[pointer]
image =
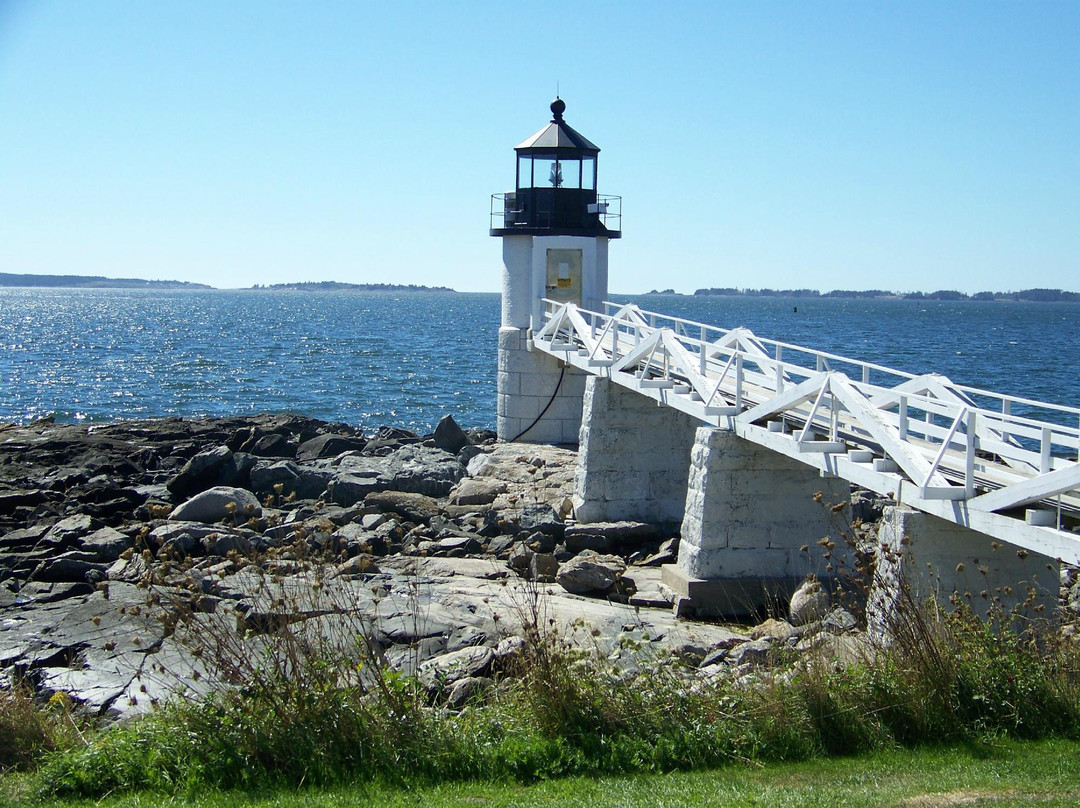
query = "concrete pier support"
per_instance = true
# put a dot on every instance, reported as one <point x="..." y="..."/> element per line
<point x="921" y="557"/>
<point x="634" y="457"/>
<point x="527" y="384"/>
<point x="749" y="511"/>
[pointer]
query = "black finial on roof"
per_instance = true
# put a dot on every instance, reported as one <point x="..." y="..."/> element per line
<point x="558" y="107"/>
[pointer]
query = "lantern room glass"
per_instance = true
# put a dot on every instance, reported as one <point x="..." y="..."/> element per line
<point x="549" y="172"/>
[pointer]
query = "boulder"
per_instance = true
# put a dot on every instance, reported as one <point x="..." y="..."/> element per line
<point x="74" y="566"/>
<point x="755" y="652"/>
<point x="68" y="531"/>
<point x="273" y="445"/>
<point x="443" y="671"/>
<point x="205" y="470"/>
<point x="778" y="630"/>
<point x="543" y="567"/>
<point x="541" y="516"/>
<point x="218" y="504"/>
<point x="106" y="544"/>
<point x="809" y="603"/>
<point x="423" y="470"/>
<point x="467" y="690"/>
<point x="353" y="486"/>
<point x="265" y="475"/>
<point x="474" y="491"/>
<point x="449" y="436"/>
<point x="329" y="446"/>
<point x="590" y="572"/>
<point x="413" y="507"/>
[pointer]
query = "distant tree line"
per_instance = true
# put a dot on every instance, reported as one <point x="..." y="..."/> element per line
<point x="336" y="286"/>
<point x="91" y="282"/>
<point x="1036" y="295"/>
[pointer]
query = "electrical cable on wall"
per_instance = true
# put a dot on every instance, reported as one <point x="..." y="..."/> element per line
<point x="551" y="400"/>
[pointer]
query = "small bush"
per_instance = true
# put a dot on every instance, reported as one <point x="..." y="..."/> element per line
<point x="28" y="731"/>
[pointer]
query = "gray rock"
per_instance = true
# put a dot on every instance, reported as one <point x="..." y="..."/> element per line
<point x="443" y="671"/>
<point x="866" y="506"/>
<point x="106" y="544"/>
<point x="73" y="566"/>
<point x="809" y="603"/>
<point x="68" y="531"/>
<point x="541" y="516"/>
<point x="265" y="475"/>
<point x="423" y="470"/>
<point x="221" y="544"/>
<point x="172" y="530"/>
<point x="543" y="567"/>
<point x="617" y="532"/>
<point x="353" y="487"/>
<point x="219" y="504"/>
<point x="329" y="446"/>
<point x="755" y="652"/>
<point x="205" y="470"/>
<point x="464" y="691"/>
<point x="476" y="491"/>
<point x="578" y="540"/>
<point x="590" y="572"/>
<point x="839" y="621"/>
<point x="273" y="445"/>
<point x="449" y="436"/>
<point x="459" y="546"/>
<point x="24" y="537"/>
<point x="413" y="507"/>
<point x="520" y="558"/>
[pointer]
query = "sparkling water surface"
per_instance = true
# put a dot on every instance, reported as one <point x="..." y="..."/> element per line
<point x="407" y="359"/>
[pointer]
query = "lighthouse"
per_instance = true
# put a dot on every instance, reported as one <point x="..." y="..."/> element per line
<point x="555" y="230"/>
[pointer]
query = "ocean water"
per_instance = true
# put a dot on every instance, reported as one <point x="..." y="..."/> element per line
<point x="370" y="359"/>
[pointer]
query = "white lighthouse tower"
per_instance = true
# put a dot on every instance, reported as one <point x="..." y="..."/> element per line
<point x="555" y="230"/>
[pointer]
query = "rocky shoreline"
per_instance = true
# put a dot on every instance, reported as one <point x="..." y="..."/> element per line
<point x="140" y="560"/>
<point x="434" y="542"/>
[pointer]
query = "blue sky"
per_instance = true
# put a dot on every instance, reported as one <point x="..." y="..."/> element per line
<point x="905" y="146"/>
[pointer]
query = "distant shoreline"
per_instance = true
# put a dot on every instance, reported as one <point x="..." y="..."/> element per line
<point x="10" y="280"/>
<point x="1024" y="295"/>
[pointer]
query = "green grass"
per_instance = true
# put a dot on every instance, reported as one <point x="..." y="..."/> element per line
<point x="1045" y="773"/>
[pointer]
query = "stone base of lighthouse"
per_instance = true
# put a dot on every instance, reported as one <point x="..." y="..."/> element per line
<point x="539" y="397"/>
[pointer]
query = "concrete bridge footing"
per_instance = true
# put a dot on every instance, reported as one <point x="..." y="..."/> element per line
<point x="749" y="514"/>
<point x="632" y="458"/>
<point x="921" y="557"/>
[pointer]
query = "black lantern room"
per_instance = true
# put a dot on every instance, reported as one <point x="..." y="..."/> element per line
<point x="556" y="187"/>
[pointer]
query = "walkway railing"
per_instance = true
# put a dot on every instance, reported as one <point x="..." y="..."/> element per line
<point x="1005" y="465"/>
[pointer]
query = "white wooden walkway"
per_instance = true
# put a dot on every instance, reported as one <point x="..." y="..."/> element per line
<point x="956" y="452"/>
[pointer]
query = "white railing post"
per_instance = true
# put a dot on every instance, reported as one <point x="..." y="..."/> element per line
<point x="903" y="425"/>
<point x="1047" y="447"/>
<point x="779" y="368"/>
<point x="702" y="353"/>
<point x="834" y="416"/>
<point x="1006" y="410"/>
<point x="738" y="381"/>
<point x="969" y="460"/>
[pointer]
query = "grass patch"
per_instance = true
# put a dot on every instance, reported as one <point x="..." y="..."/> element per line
<point x="1045" y="773"/>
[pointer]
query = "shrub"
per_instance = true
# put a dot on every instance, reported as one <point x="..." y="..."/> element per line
<point x="27" y="730"/>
